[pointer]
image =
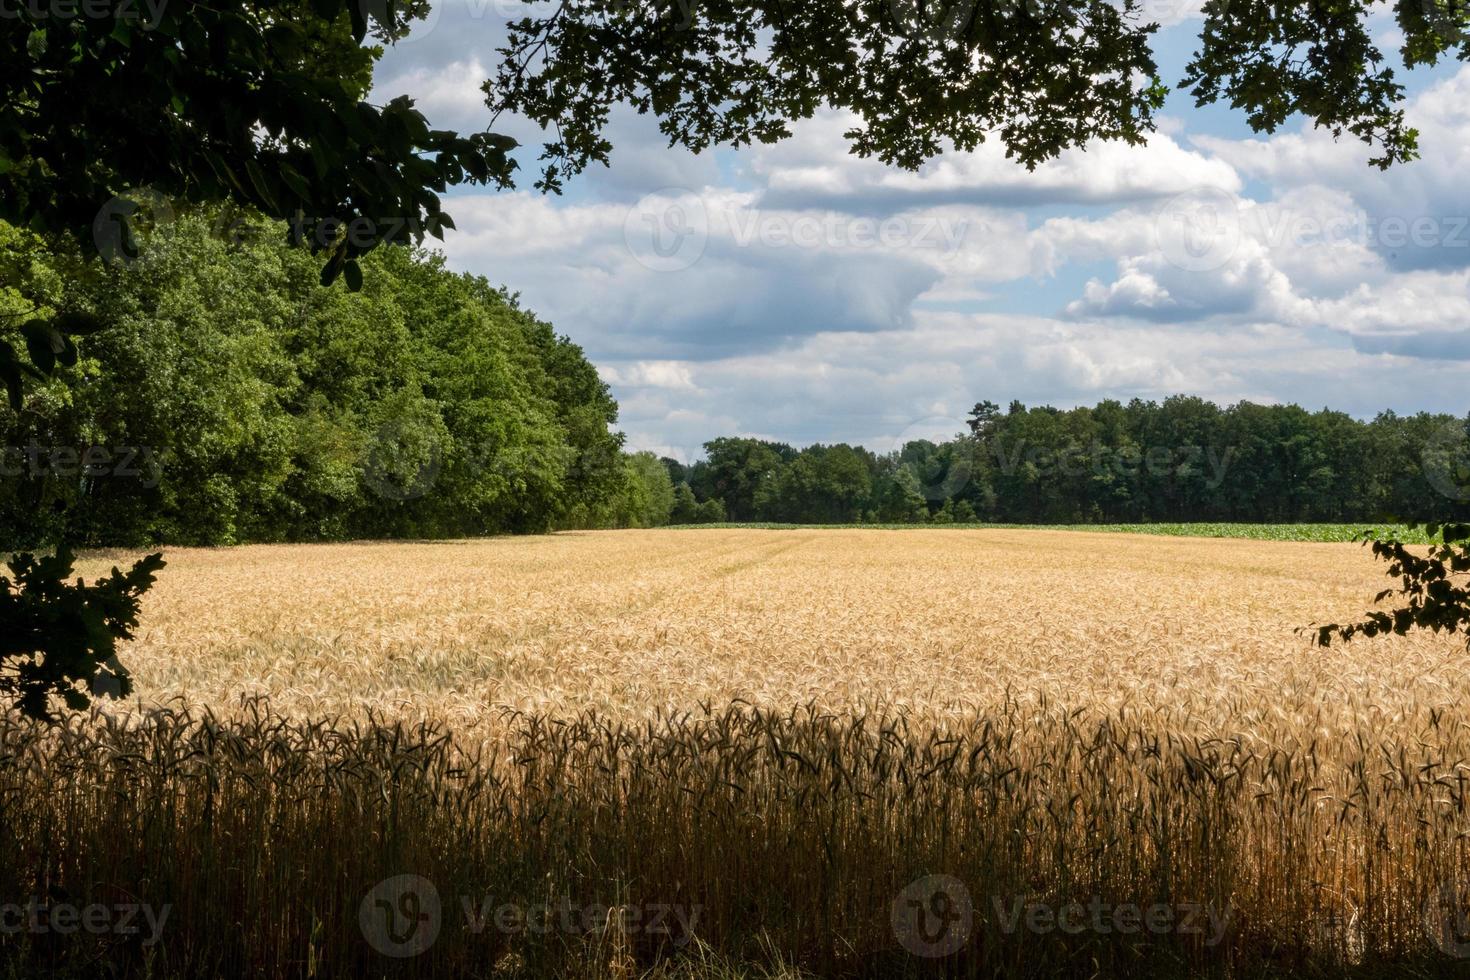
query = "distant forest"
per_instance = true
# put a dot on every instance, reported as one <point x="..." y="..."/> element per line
<point x="1185" y="459"/>
<point x="234" y="399"/>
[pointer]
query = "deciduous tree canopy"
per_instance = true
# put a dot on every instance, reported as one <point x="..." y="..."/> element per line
<point x="1183" y="459"/>
<point x="236" y="400"/>
<point x="263" y="104"/>
<point x="923" y="76"/>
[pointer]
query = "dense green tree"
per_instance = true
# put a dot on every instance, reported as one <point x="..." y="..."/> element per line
<point x="109" y="118"/>
<point x="652" y="494"/>
<point x="711" y="512"/>
<point x="821" y="484"/>
<point x="235" y="400"/>
<point x="734" y="470"/>
<point x="1181" y="459"/>
<point x="258" y="104"/>
<point x="898" y="498"/>
<point x="686" y="508"/>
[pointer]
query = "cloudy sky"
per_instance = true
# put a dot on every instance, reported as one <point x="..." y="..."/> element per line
<point x="798" y="293"/>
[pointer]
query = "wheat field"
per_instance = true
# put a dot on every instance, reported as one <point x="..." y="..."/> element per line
<point x="941" y="622"/>
<point x="831" y="753"/>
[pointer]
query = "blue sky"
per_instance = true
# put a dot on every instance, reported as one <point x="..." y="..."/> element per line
<point x="795" y="292"/>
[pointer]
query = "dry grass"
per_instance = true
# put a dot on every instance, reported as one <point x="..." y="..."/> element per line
<point x="1046" y="717"/>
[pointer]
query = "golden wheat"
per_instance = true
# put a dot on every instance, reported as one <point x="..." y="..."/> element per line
<point x="781" y="729"/>
<point x="939" y="622"/>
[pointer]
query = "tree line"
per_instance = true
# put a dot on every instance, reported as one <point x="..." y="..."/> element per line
<point x="1182" y="459"/>
<point x="233" y="399"/>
